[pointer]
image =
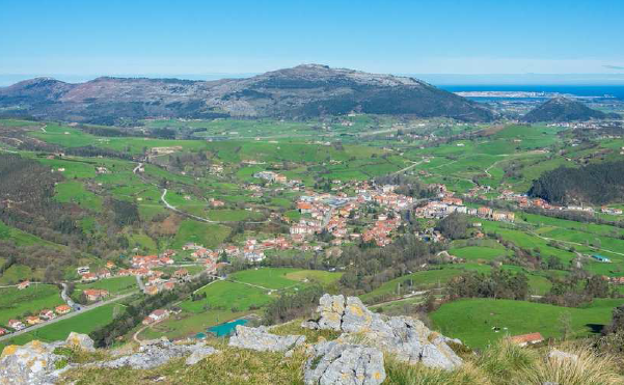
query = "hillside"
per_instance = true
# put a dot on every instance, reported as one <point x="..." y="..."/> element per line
<point x="299" y="92"/>
<point x="562" y="109"/>
<point x="593" y="184"/>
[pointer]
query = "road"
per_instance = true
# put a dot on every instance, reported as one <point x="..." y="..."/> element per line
<point x="140" y="283"/>
<point x="66" y="297"/>
<point x="206" y="220"/>
<point x="137" y="168"/>
<point x="407" y="168"/>
<point x="67" y="316"/>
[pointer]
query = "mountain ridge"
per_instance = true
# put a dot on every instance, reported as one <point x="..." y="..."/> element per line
<point x="562" y="109"/>
<point x="304" y="91"/>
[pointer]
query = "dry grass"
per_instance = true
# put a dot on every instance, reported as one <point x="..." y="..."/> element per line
<point x="588" y="369"/>
<point x="500" y="364"/>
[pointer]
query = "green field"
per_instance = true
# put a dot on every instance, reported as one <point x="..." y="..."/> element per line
<point x="15" y="303"/>
<point x="209" y="235"/>
<point x="472" y="320"/>
<point x="83" y="323"/>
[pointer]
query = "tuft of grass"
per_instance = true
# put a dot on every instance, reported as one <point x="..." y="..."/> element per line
<point x="312" y="336"/>
<point x="589" y="369"/>
<point x="401" y="373"/>
<point x="504" y="359"/>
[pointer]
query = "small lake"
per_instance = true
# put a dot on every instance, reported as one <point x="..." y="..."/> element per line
<point x="225" y="329"/>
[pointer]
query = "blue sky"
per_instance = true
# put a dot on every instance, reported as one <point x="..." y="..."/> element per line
<point x="92" y="37"/>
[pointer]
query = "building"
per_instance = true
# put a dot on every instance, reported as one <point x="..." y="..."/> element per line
<point x="151" y="290"/>
<point x="156" y="316"/>
<point x="16" y="324"/>
<point x="601" y="258"/>
<point x="47" y="314"/>
<point x="62" y="309"/>
<point x="527" y="339"/>
<point x="23" y="285"/>
<point x="3" y="331"/>
<point x="33" y="320"/>
<point x="89" y="277"/>
<point x="95" y="294"/>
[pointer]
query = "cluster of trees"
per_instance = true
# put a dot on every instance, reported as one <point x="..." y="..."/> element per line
<point x="576" y="289"/>
<point x="598" y="184"/>
<point x="454" y="226"/>
<point x="136" y="312"/>
<point x="369" y="267"/>
<point x="406" y="185"/>
<point x="500" y="284"/>
<point x="26" y="201"/>
<point x="291" y="306"/>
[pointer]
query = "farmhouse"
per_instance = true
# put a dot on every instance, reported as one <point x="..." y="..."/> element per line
<point x="23" y="285"/>
<point x="47" y="314"/>
<point x="62" y="309"/>
<point x="33" y="320"/>
<point x="156" y="316"/>
<point x="89" y="277"/>
<point x="16" y="324"/>
<point x="3" y="331"/>
<point x="95" y="294"/>
<point x="527" y="339"/>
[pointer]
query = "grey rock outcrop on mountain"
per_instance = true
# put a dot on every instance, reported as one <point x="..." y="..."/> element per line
<point x="407" y="338"/>
<point x="159" y="353"/>
<point x="333" y="363"/>
<point x="261" y="340"/>
<point x="561" y="109"/>
<point x="28" y="364"/>
<point x="304" y="91"/>
<point x="80" y="341"/>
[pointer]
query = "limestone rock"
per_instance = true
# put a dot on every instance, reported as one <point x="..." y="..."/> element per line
<point x="199" y="354"/>
<point x="558" y="355"/>
<point x="261" y="340"/>
<point x="28" y="364"/>
<point x="407" y="338"/>
<point x="332" y="309"/>
<point x="153" y="355"/>
<point x="80" y="341"/>
<point x="345" y="364"/>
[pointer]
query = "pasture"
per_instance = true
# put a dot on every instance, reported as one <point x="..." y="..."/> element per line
<point x="473" y="320"/>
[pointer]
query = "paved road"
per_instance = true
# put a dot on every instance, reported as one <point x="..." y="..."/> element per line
<point x="206" y="220"/>
<point x="66" y="297"/>
<point x="67" y="316"/>
<point x="140" y="283"/>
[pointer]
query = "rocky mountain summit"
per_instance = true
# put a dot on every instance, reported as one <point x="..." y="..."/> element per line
<point x="304" y="91"/>
<point x="561" y="109"/>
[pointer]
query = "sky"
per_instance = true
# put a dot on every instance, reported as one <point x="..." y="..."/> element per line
<point x="82" y="39"/>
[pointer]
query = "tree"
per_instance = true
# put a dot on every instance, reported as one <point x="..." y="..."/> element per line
<point x="454" y="226"/>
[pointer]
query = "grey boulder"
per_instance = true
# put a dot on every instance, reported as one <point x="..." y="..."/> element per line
<point x="261" y="340"/>
<point x="336" y="363"/>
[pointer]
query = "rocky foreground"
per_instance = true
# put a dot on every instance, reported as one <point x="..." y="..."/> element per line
<point x="355" y="357"/>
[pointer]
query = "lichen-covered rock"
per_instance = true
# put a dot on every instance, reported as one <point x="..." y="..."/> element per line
<point x="358" y="319"/>
<point x="261" y="340"/>
<point x="199" y="354"/>
<point x="332" y="309"/>
<point x="345" y="364"/>
<point x="28" y="364"/>
<point x="407" y="338"/>
<point x="153" y="355"/>
<point x="80" y="341"/>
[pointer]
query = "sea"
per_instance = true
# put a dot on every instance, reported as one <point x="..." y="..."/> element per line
<point x="616" y="91"/>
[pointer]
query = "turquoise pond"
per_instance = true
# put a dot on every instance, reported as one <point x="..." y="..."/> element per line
<point x="227" y="328"/>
